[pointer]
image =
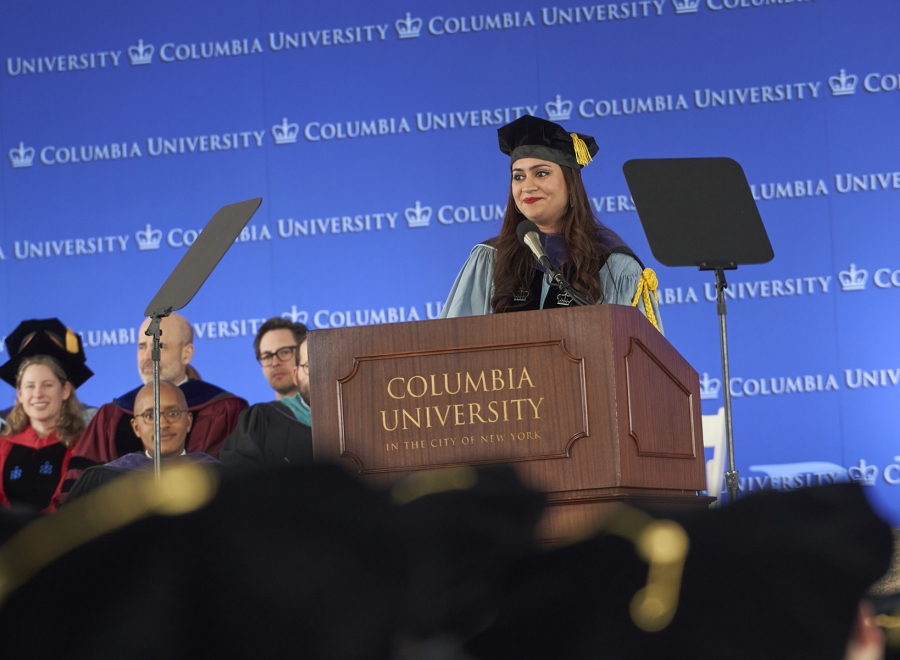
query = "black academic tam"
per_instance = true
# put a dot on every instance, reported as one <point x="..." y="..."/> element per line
<point x="307" y="562"/>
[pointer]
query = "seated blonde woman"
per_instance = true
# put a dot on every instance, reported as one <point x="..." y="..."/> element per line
<point x="46" y="366"/>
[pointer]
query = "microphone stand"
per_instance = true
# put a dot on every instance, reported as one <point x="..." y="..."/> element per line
<point x="562" y="282"/>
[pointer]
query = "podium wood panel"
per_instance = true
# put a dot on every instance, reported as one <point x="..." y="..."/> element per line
<point x="591" y="405"/>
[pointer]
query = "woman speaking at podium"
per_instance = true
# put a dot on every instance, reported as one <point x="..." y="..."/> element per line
<point x="502" y="275"/>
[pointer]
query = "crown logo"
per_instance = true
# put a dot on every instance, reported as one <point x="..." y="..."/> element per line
<point x="853" y="279"/>
<point x="709" y="387"/>
<point x="863" y="474"/>
<point x="408" y="28"/>
<point x="418" y="215"/>
<point x="295" y="315"/>
<point x="21" y="156"/>
<point x="521" y="295"/>
<point x="842" y="84"/>
<point x="141" y="53"/>
<point x="558" y="110"/>
<point x="285" y="133"/>
<point x="686" y="6"/>
<point x="148" y="239"/>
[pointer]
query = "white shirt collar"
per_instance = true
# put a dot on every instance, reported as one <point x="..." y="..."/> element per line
<point x="147" y="453"/>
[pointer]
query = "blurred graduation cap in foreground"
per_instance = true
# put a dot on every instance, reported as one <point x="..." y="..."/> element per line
<point x="307" y="562"/>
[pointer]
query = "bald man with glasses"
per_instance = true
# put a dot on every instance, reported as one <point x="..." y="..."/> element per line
<point x="215" y="411"/>
<point x="175" y="421"/>
<point x="277" y="432"/>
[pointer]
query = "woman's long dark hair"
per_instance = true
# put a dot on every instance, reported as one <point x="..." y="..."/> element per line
<point x="514" y="267"/>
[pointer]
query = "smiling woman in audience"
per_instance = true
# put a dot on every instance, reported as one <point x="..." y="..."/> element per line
<point x="48" y="364"/>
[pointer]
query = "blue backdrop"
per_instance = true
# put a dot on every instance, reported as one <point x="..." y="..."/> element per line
<point x="369" y="131"/>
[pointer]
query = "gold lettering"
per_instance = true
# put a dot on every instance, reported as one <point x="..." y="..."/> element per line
<point x="497" y="375"/>
<point x="427" y="417"/>
<point x="475" y="411"/>
<point x="505" y="416"/>
<point x="446" y="414"/>
<point x="492" y="406"/>
<point x="424" y="387"/>
<point x="475" y="383"/>
<point x="394" y="396"/>
<point x="384" y="421"/>
<point x="518" y="403"/>
<point x="537" y="436"/>
<point x="395" y="446"/>
<point x="417" y="421"/>
<point x="460" y="415"/>
<point x="511" y="379"/>
<point x="536" y="416"/>
<point x="433" y="393"/>
<point x="435" y="440"/>
<point x="458" y="383"/>
<point x="525" y="377"/>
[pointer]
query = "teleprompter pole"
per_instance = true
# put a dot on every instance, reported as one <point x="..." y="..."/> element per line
<point x="183" y="283"/>
<point x="731" y="475"/>
<point x="156" y="332"/>
<point x="700" y="213"/>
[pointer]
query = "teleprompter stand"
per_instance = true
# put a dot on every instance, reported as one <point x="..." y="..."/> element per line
<point x="700" y="212"/>
<point x="187" y="278"/>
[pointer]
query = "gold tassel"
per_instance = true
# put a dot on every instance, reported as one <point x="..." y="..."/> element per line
<point x="71" y="341"/>
<point x="648" y="283"/>
<point x="582" y="155"/>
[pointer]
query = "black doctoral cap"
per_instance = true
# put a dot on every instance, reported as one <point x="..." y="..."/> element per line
<point x="775" y="575"/>
<point x="533" y="137"/>
<point x="46" y="337"/>
<point x="302" y="561"/>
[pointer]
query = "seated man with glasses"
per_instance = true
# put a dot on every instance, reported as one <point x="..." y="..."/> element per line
<point x="174" y="424"/>
<point x="276" y="346"/>
<point x="277" y="432"/>
<point x="109" y="435"/>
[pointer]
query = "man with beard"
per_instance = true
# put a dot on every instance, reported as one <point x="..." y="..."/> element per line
<point x="277" y="432"/>
<point x="215" y="412"/>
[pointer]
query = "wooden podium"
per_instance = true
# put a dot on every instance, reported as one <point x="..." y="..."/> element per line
<point x="591" y="405"/>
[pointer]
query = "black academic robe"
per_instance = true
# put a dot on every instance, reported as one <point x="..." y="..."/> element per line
<point x="267" y="434"/>
<point x="100" y="475"/>
<point x="109" y="435"/>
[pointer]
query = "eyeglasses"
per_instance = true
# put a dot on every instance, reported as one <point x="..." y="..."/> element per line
<point x="171" y="415"/>
<point x="283" y="354"/>
<point x="305" y="367"/>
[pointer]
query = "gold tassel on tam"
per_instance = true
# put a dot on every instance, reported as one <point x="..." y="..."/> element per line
<point x="648" y="284"/>
<point x="582" y="155"/>
<point x="71" y="341"/>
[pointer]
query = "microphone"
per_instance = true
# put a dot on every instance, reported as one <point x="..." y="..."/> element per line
<point x="530" y="237"/>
